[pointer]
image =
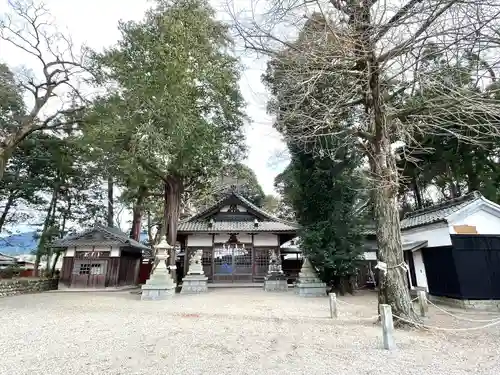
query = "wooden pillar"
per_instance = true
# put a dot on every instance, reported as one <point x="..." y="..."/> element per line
<point x="253" y="259"/>
<point x="213" y="256"/>
<point x="137" y="269"/>
<point x="187" y="255"/>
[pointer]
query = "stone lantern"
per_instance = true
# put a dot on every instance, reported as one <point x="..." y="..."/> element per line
<point x="160" y="284"/>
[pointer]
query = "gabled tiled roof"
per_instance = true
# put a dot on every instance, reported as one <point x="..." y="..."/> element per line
<point x="235" y="226"/>
<point x="114" y="233"/>
<point x="439" y="212"/>
<point x="270" y="223"/>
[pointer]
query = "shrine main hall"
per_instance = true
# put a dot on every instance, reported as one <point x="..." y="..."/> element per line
<point x="237" y="239"/>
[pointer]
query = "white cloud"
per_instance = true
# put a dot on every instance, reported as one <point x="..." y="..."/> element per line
<point x="94" y="23"/>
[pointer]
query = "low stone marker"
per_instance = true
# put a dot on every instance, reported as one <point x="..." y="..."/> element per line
<point x="422" y="301"/>
<point x="334" y="314"/>
<point x="387" y="327"/>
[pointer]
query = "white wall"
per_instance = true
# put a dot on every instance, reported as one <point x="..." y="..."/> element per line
<point x="115" y="252"/>
<point x="265" y="239"/>
<point x="484" y="221"/>
<point x="436" y="235"/>
<point x="202" y="240"/>
<point x="205" y="240"/>
<point x="370" y="255"/>
<point x="418" y="261"/>
<point x="70" y="252"/>
<point x="223" y="238"/>
<point x="240" y="209"/>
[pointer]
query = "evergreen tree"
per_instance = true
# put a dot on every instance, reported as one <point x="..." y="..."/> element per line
<point x="174" y="117"/>
<point x="325" y="194"/>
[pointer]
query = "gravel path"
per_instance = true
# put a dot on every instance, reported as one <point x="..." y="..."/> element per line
<point x="229" y="331"/>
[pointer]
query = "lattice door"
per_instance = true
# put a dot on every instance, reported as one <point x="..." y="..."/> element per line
<point x="261" y="263"/>
<point x="232" y="265"/>
<point x="89" y="273"/>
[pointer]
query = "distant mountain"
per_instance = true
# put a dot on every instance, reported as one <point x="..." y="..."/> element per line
<point x="25" y="243"/>
<point x="16" y="244"/>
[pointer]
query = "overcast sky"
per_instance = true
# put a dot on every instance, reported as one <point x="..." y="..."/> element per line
<point x="94" y="23"/>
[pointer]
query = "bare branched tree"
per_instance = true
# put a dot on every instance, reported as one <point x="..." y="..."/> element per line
<point x="52" y="88"/>
<point x="373" y="74"/>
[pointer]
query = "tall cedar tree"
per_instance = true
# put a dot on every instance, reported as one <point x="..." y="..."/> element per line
<point x="176" y="114"/>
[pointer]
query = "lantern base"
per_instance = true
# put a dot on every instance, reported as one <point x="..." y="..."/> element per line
<point x="155" y="293"/>
<point x="160" y="285"/>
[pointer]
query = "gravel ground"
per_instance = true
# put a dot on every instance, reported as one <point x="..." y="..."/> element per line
<point x="237" y="332"/>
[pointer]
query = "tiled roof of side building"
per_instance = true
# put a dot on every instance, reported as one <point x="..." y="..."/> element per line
<point x="115" y="233"/>
<point x="438" y="212"/>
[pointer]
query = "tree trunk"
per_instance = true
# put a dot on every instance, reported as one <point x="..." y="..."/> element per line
<point x="51" y="225"/>
<point x="65" y="216"/>
<point x="135" y="232"/>
<point x="393" y="289"/>
<point x="416" y="192"/>
<point x="8" y="205"/>
<point x="10" y="201"/>
<point x="110" y="202"/>
<point x="10" y="143"/>
<point x="46" y="224"/>
<point x="150" y="229"/>
<point x="4" y="158"/>
<point x="53" y="269"/>
<point x="173" y="192"/>
<point x="159" y="233"/>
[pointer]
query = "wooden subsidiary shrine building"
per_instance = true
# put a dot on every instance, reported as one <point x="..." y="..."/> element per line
<point x="100" y="257"/>
<point x="236" y="238"/>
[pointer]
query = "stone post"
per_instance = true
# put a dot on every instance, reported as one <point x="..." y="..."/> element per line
<point x="333" y="306"/>
<point x="387" y="327"/>
<point x="422" y="301"/>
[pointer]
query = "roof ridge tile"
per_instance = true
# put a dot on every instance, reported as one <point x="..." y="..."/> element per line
<point x="445" y="204"/>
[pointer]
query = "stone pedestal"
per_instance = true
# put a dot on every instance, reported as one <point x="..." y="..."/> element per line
<point x="194" y="284"/>
<point x="160" y="284"/>
<point x="308" y="283"/>
<point x="195" y="281"/>
<point x="275" y="283"/>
